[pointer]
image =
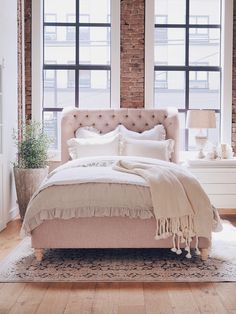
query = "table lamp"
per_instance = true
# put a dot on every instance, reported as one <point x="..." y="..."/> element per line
<point x="201" y="119"/>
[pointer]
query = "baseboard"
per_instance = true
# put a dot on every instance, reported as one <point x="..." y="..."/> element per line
<point x="13" y="213"/>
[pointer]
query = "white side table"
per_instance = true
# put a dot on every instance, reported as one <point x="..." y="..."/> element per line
<point x="218" y="178"/>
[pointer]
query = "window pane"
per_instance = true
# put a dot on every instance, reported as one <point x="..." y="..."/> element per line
<point x="94" y="89"/>
<point x="204" y="90"/>
<point x="60" y="46"/>
<point x="169" y="46"/>
<point x="94" y="45"/>
<point x="98" y="11"/>
<point x="52" y="127"/>
<point x="169" y="89"/>
<point x="205" y="11"/>
<point x="172" y="9"/>
<point x="59" y="88"/>
<point x="60" y="8"/>
<point x="204" y="46"/>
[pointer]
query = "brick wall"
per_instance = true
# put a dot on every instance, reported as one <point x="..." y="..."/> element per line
<point x="234" y="85"/>
<point x="132" y="53"/>
<point x="28" y="80"/>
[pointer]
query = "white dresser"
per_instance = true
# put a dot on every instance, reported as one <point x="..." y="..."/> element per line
<point x="218" y="178"/>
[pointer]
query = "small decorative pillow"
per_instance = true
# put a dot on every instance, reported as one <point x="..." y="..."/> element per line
<point x="148" y="148"/>
<point x="158" y="133"/>
<point x="91" y="132"/>
<point x="96" y="146"/>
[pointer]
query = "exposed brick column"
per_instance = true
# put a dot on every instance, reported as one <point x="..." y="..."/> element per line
<point x="19" y="61"/>
<point x="28" y="78"/>
<point x="132" y="53"/>
<point x="234" y="85"/>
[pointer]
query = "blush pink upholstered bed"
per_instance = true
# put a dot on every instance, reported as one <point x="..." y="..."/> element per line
<point x="108" y="232"/>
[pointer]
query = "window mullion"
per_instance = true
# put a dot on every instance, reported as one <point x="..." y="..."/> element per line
<point x="77" y="56"/>
<point x="187" y="70"/>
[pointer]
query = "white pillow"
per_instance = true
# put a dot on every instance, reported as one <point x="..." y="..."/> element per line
<point x="96" y="146"/>
<point x="91" y="132"/>
<point x="148" y="148"/>
<point x="158" y="133"/>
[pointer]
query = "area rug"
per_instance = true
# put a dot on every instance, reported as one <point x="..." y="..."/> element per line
<point x="131" y="265"/>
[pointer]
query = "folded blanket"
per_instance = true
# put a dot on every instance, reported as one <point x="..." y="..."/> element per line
<point x="176" y="197"/>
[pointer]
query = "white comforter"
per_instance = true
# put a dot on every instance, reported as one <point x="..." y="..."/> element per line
<point x="91" y="187"/>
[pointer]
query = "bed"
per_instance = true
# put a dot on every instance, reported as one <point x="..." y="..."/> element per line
<point x="115" y="231"/>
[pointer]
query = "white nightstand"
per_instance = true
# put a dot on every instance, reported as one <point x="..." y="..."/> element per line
<point x="218" y="178"/>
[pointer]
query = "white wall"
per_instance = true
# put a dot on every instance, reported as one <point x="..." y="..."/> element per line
<point x="8" y="56"/>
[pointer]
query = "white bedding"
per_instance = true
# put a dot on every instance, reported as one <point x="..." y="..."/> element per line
<point x="91" y="187"/>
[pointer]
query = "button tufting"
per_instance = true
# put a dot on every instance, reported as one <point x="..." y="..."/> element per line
<point x="153" y="116"/>
<point x="80" y="124"/>
<point x="165" y="116"/>
<point x="146" y="124"/>
<point x="140" y="116"/>
<point x="113" y="116"/>
<point x="86" y="116"/>
<point x="133" y="124"/>
<point x="74" y="115"/>
<point x="107" y="124"/>
<point x="126" y="116"/>
<point x="93" y="124"/>
<point x="100" y="116"/>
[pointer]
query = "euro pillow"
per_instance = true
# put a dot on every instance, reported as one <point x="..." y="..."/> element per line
<point x="91" y="132"/>
<point x="105" y="146"/>
<point x="153" y="149"/>
<point x="158" y="133"/>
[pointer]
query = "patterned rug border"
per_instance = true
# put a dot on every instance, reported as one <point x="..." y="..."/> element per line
<point x="117" y="265"/>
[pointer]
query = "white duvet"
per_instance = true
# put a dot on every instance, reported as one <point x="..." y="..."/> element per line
<point x="90" y="187"/>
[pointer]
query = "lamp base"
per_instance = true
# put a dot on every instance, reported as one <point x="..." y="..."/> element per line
<point x="201" y="143"/>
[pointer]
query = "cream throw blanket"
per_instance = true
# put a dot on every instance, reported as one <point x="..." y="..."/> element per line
<point x="176" y="197"/>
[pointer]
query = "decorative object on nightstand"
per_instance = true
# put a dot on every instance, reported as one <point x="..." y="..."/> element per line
<point x="30" y="167"/>
<point x="201" y="119"/>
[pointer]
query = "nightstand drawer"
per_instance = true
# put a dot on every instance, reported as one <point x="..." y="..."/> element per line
<point x="223" y="201"/>
<point x="217" y="177"/>
<point x="219" y="188"/>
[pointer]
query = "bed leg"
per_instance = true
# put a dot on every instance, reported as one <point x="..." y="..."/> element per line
<point x="38" y="254"/>
<point x="204" y="254"/>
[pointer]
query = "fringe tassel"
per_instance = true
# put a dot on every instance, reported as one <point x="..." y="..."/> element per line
<point x="182" y="231"/>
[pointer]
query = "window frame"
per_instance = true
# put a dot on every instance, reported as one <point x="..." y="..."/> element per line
<point x="37" y="58"/>
<point x="226" y="64"/>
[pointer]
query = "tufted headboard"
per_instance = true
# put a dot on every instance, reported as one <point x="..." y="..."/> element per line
<point x="107" y="120"/>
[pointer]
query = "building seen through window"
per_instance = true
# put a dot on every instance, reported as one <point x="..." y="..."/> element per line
<point x="77" y="61"/>
<point x="187" y="65"/>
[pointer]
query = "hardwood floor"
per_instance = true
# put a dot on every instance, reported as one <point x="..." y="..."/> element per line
<point x="111" y="298"/>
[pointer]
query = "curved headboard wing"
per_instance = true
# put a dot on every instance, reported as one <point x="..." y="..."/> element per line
<point x="106" y="120"/>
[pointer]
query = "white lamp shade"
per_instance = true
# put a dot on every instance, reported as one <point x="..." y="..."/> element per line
<point x="201" y="119"/>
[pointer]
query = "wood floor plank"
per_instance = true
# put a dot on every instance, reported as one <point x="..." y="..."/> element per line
<point x="30" y="299"/>
<point x="106" y="298"/>
<point x="182" y="300"/>
<point x="227" y="294"/>
<point x="130" y="309"/>
<point x="131" y="294"/>
<point x="81" y="298"/>
<point x="157" y="299"/>
<point x="9" y="294"/>
<point x="207" y="298"/>
<point x="55" y="299"/>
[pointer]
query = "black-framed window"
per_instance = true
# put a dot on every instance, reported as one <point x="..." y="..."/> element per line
<point x="81" y="50"/>
<point x="187" y="61"/>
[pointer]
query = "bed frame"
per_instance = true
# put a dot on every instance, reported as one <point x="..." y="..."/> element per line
<point x="109" y="232"/>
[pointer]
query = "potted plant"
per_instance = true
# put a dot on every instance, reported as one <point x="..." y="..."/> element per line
<point x="30" y="167"/>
